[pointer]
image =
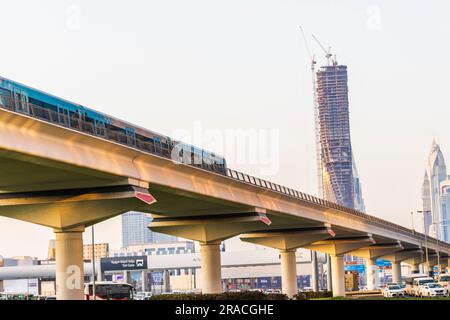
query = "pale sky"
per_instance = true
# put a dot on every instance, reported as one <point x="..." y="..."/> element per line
<point x="241" y="65"/>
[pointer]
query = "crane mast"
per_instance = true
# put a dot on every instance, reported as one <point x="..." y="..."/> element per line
<point x="316" y="117"/>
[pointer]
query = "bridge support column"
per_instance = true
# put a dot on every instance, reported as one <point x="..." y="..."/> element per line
<point x="397" y="272"/>
<point x="372" y="274"/>
<point x="288" y="272"/>
<point x="211" y="267"/>
<point x="337" y="275"/>
<point x="69" y="265"/>
<point x="426" y="267"/>
<point x="329" y="285"/>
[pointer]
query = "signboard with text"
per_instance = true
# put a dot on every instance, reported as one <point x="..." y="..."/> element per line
<point x="124" y="263"/>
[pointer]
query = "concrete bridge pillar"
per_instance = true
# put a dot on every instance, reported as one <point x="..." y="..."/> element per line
<point x="372" y="274"/>
<point x="288" y="272"/>
<point x="397" y="272"/>
<point x="337" y="275"/>
<point x="426" y="267"/>
<point x="211" y="267"/>
<point x="329" y="285"/>
<point x="69" y="265"/>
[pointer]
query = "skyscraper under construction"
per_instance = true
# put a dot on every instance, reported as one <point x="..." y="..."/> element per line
<point x="339" y="183"/>
<point x="338" y="178"/>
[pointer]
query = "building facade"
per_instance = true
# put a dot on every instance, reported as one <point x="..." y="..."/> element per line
<point x="135" y="230"/>
<point x="445" y="210"/>
<point x="340" y="180"/>
<point x="101" y="250"/>
<point x="179" y="247"/>
<point x="437" y="174"/>
<point x="426" y="205"/>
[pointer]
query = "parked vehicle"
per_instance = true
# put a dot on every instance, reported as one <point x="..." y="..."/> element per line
<point x="109" y="290"/>
<point x="443" y="279"/>
<point x="393" y="290"/>
<point x="431" y="290"/>
<point x="414" y="281"/>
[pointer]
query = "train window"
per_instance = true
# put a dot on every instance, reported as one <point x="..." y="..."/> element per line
<point x="198" y="155"/>
<point x="158" y="147"/>
<point x="131" y="136"/>
<point x="100" y="128"/>
<point x="187" y="154"/>
<point x="20" y="100"/>
<point x="63" y="116"/>
<point x="5" y="98"/>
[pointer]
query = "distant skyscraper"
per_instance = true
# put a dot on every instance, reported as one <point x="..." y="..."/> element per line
<point x="445" y="210"/>
<point x="426" y="204"/>
<point x="340" y="180"/>
<point x="359" y="201"/>
<point x="135" y="230"/>
<point x="437" y="174"/>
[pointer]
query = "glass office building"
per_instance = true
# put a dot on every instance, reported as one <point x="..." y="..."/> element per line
<point x="135" y="230"/>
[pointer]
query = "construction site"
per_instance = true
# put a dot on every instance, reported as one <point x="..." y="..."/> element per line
<point x="338" y="179"/>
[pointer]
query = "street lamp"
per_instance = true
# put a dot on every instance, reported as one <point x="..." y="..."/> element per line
<point x="438" y="226"/>
<point x="425" y="234"/>
<point x="93" y="264"/>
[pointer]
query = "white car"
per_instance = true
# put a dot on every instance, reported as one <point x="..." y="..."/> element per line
<point x="393" y="290"/>
<point x="142" y="296"/>
<point x="431" y="290"/>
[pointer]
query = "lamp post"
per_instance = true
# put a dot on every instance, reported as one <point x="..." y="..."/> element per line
<point x="93" y="265"/>
<point x="438" y="226"/>
<point x="425" y="234"/>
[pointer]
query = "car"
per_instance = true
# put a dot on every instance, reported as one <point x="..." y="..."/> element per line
<point x="390" y="284"/>
<point x="393" y="290"/>
<point x="431" y="290"/>
<point x="269" y="291"/>
<point x="50" y="298"/>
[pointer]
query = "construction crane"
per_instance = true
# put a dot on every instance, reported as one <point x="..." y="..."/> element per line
<point x="328" y="54"/>
<point x="316" y="116"/>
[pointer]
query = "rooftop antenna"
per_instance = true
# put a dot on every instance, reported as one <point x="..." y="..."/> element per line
<point x="312" y="58"/>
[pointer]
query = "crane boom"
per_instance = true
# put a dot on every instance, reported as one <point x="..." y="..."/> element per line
<point x="316" y="118"/>
<point x="328" y="54"/>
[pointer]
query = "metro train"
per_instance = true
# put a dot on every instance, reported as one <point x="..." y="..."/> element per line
<point x="23" y="99"/>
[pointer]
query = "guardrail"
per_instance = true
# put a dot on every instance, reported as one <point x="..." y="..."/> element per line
<point x="326" y="204"/>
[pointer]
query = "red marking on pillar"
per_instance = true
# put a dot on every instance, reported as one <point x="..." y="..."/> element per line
<point x="146" y="197"/>
<point x="264" y="219"/>
<point x="331" y="232"/>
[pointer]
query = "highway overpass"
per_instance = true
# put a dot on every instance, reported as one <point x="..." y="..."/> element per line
<point x="67" y="179"/>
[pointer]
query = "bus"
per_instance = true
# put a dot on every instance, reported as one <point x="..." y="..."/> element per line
<point x="109" y="290"/>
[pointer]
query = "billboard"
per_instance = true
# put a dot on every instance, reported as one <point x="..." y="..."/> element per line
<point x="124" y="263"/>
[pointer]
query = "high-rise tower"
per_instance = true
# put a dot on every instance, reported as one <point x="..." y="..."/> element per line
<point x="437" y="173"/>
<point x="335" y="142"/>
<point x="426" y="204"/>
